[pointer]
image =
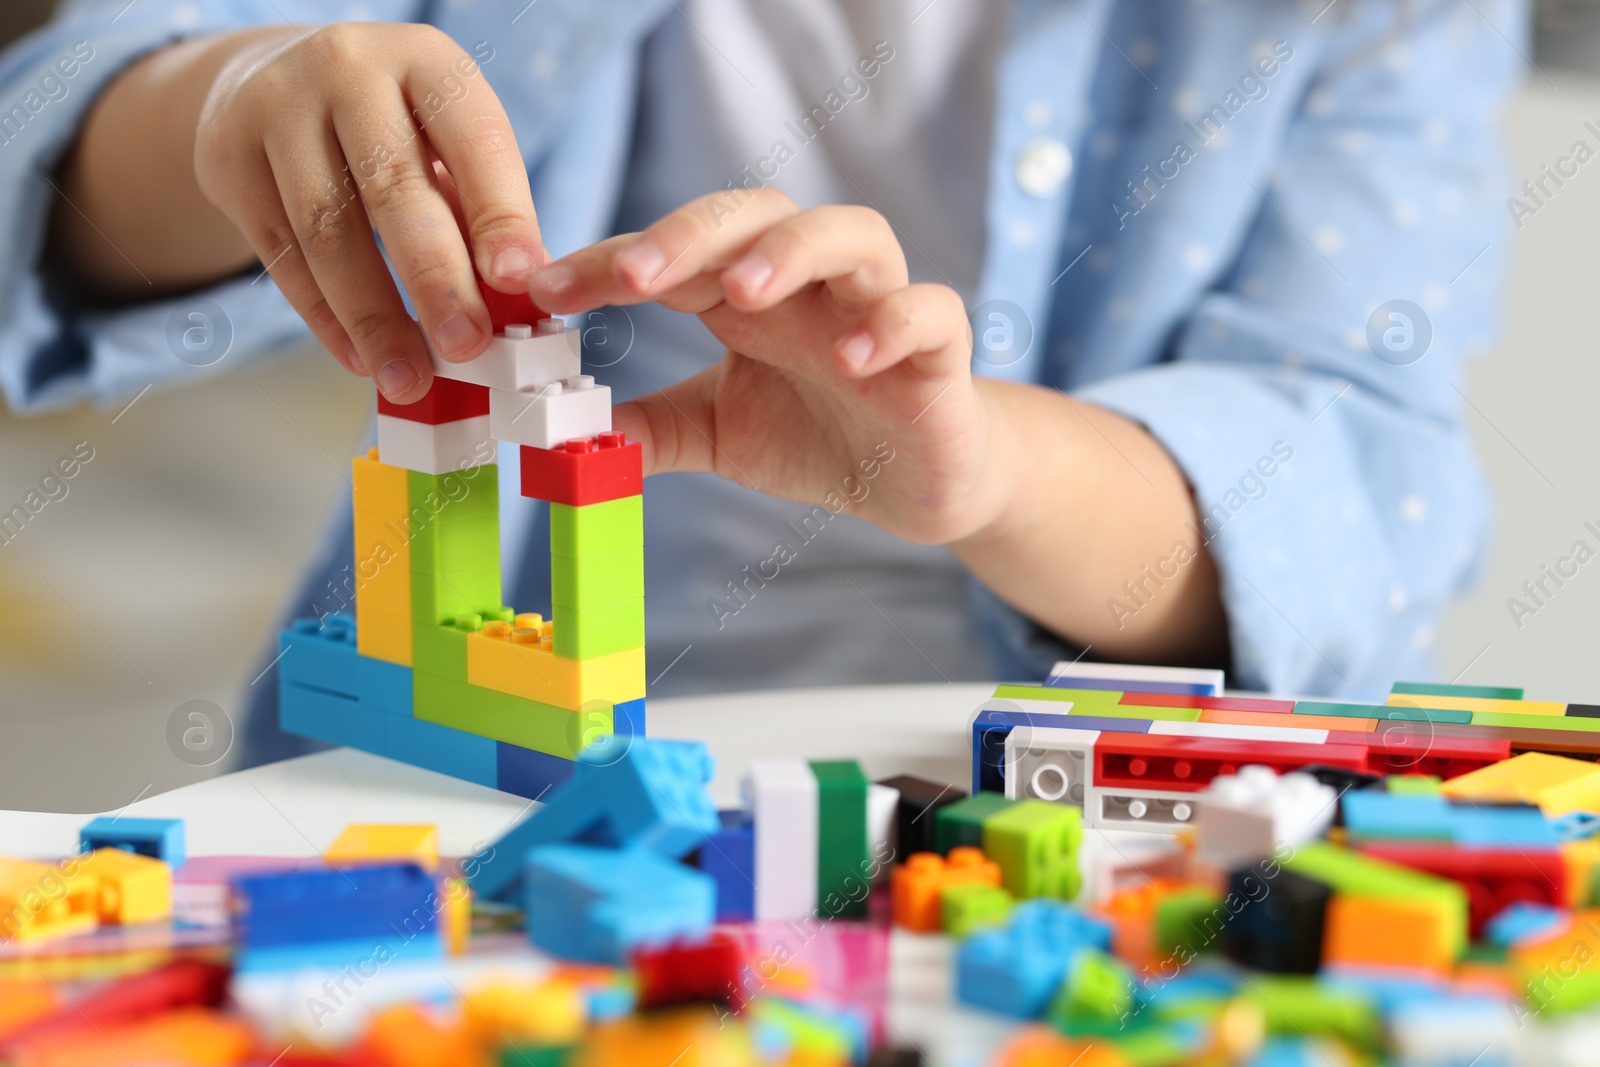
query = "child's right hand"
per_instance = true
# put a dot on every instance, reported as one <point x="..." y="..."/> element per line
<point x="309" y="140"/>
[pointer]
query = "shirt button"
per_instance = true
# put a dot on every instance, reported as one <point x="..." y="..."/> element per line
<point x="1043" y="167"/>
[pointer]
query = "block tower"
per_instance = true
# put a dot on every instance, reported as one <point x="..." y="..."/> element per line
<point x="433" y="670"/>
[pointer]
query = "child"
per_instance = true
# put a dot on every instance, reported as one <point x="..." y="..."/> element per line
<point x="987" y="333"/>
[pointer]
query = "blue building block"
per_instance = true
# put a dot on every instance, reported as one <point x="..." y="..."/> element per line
<point x="1288" y="1052"/>
<point x="528" y="772"/>
<point x="628" y="717"/>
<point x="594" y="903"/>
<point x="1016" y="969"/>
<point x="649" y="794"/>
<point x="1576" y="826"/>
<point x="360" y="955"/>
<point x="1131" y="685"/>
<point x="440" y="748"/>
<point x="393" y="902"/>
<point x="160" y="839"/>
<point x="1371" y="814"/>
<point x="321" y="654"/>
<point x="729" y="858"/>
<point x="1502" y="826"/>
<point x="328" y="717"/>
<point x="1521" y="922"/>
<point x="991" y="728"/>
<point x="386" y="686"/>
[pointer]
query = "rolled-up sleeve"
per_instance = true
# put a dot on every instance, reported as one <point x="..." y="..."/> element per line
<point x="53" y="351"/>
<point x="1388" y="188"/>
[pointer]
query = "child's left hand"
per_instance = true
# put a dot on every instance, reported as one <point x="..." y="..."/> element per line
<point x="832" y="359"/>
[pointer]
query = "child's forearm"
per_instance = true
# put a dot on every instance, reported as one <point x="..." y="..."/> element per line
<point x="132" y="222"/>
<point x="1095" y="500"/>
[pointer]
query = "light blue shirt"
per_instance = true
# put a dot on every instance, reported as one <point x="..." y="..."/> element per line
<point x="1196" y="214"/>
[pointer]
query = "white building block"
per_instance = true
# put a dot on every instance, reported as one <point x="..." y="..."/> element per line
<point x="1211" y="681"/>
<point x="449" y="446"/>
<point x="1245" y="816"/>
<point x="519" y="358"/>
<point x="547" y="415"/>
<point x="782" y="796"/>
<point x="1154" y="810"/>
<point x="1049" y="763"/>
<point x="882" y="801"/>
<point x="1286" y="734"/>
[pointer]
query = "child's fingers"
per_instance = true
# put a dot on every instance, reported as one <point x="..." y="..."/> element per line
<point x="926" y="324"/>
<point x="675" y="426"/>
<point x="473" y="137"/>
<point x="703" y="235"/>
<point x="396" y="182"/>
<point x="335" y="238"/>
<point x="852" y="249"/>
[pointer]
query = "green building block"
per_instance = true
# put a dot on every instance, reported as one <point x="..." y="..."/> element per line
<point x="961" y="823"/>
<point x="591" y="632"/>
<point x="1357" y="874"/>
<point x="454" y="496"/>
<point x="597" y="529"/>
<point x="439" y="650"/>
<point x="811" y="1036"/>
<point x="841" y="838"/>
<point x="446" y="545"/>
<point x="1473" y="692"/>
<point x="439" y="598"/>
<point x="968" y="906"/>
<point x="595" y="581"/>
<point x="536" y="1056"/>
<point x="1097" y="997"/>
<point x="1302" y="1006"/>
<point x="515" y="720"/>
<point x="1571" y="724"/>
<point x="1413" y="784"/>
<point x="1036" y="843"/>
<point x="1045" y="692"/>
<point x="1181" y="922"/>
<point x="1138" y="711"/>
<point x="1384" y="712"/>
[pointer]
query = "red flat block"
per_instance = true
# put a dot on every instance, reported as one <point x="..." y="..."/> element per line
<point x="506" y="309"/>
<point x="687" y="971"/>
<point x="588" y="470"/>
<point x="1418" y="750"/>
<point x="447" y="401"/>
<point x="1166" y="761"/>
<point x="1492" y="877"/>
<point x="1182" y="700"/>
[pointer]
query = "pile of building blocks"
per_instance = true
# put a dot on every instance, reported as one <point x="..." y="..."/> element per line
<point x="433" y="669"/>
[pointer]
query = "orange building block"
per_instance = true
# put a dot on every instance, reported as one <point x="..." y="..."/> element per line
<point x="1293" y="722"/>
<point x="1132" y="915"/>
<point x="24" y="1002"/>
<point x="186" y="1037"/>
<point x="1039" y="1046"/>
<point x="1386" y="931"/>
<point x="406" y="1037"/>
<point x="687" y="1037"/>
<point x="915" y="885"/>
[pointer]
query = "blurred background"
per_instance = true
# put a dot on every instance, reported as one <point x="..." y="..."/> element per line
<point x="156" y="580"/>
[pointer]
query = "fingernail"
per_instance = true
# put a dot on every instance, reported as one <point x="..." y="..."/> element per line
<point x="556" y="278"/>
<point x="456" y="336"/>
<point x="396" y="377"/>
<point x="857" y="349"/>
<point x="642" y="261"/>
<point x="751" y="273"/>
<point x="512" y="265"/>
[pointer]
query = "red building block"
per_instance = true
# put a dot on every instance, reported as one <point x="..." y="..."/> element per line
<point x="708" y="969"/>
<point x="447" y="401"/>
<point x="1165" y="761"/>
<point x="1181" y="700"/>
<point x="508" y="308"/>
<point x="588" y="470"/>
<point x="1493" y="877"/>
<point x="1421" y="751"/>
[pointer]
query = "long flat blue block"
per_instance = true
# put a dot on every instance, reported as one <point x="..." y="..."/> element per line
<point x="321" y="655"/>
<point x="527" y="772"/>
<point x="389" y="901"/>
<point x="329" y="717"/>
<point x="386" y="686"/>
<point x="991" y="728"/>
<point x="440" y="748"/>
<point x="588" y="902"/>
<point x="729" y="858"/>
<point x="359" y="955"/>
<point x="628" y="718"/>
<point x="160" y="839"/>
<point x="1129" y="685"/>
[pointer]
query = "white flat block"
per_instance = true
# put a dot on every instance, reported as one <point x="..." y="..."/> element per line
<point x="449" y="446"/>
<point x="547" y="415"/>
<point x="1247" y="815"/>
<point x="1286" y="734"/>
<point x="783" y="801"/>
<point x="1050" y="763"/>
<point x="520" y="358"/>
<point x="882" y="802"/>
<point x="1131" y="672"/>
<point x="1154" y="810"/>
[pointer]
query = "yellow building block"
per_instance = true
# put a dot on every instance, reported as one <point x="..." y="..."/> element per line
<point x="1506" y="707"/>
<point x="455" y="917"/>
<point x="1582" y="860"/>
<point x="528" y="1013"/>
<point x="1557" y="784"/>
<point x="38" y="901"/>
<point x="383" y="560"/>
<point x="129" y="888"/>
<point x="377" y="842"/>
<point x="518" y="662"/>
